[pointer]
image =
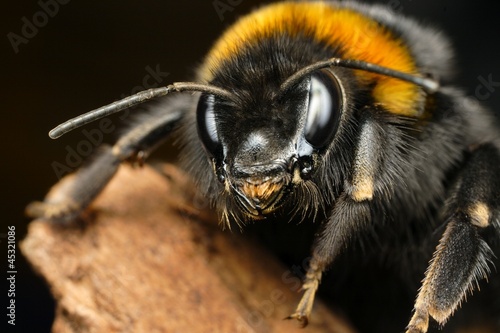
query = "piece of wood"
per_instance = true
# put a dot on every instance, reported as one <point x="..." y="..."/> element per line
<point x="150" y="257"/>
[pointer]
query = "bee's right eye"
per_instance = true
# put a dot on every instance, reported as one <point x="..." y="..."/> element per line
<point x="207" y="128"/>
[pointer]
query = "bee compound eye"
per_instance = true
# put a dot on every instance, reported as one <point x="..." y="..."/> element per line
<point x="206" y="123"/>
<point x="324" y="109"/>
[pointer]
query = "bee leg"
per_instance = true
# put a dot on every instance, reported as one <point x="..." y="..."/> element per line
<point x="310" y="286"/>
<point x="462" y="256"/>
<point x="80" y="189"/>
<point x="334" y="238"/>
<point x="77" y="190"/>
<point x="350" y="214"/>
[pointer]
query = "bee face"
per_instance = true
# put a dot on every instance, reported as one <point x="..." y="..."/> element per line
<point x="262" y="149"/>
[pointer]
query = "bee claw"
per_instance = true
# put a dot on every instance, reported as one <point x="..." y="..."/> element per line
<point x="61" y="212"/>
<point x="414" y="330"/>
<point x="302" y="318"/>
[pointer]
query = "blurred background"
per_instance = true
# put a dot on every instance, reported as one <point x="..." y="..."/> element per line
<point x="60" y="61"/>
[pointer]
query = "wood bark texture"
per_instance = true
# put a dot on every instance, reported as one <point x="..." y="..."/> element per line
<point x="149" y="256"/>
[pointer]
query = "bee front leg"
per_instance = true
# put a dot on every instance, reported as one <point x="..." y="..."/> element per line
<point x="348" y="217"/>
<point x="80" y="189"/>
<point x="462" y="256"/>
<point x="351" y="212"/>
<point x="76" y="191"/>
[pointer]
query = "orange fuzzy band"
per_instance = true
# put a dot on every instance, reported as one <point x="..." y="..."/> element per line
<point x="358" y="36"/>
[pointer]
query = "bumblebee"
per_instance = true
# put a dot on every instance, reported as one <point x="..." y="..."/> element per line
<point x="337" y="113"/>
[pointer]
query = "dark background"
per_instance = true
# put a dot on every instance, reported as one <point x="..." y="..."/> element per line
<point x="93" y="52"/>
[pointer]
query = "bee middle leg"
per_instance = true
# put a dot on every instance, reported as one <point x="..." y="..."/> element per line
<point x="462" y="256"/>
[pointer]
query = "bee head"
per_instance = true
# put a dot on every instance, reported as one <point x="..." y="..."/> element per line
<point x="264" y="146"/>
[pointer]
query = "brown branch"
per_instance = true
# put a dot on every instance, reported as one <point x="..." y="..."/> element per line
<point x="147" y="260"/>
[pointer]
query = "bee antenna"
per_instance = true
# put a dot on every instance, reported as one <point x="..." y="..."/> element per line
<point x="133" y="100"/>
<point x="428" y="84"/>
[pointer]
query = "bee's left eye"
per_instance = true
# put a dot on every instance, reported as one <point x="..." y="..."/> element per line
<point x="324" y="109"/>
